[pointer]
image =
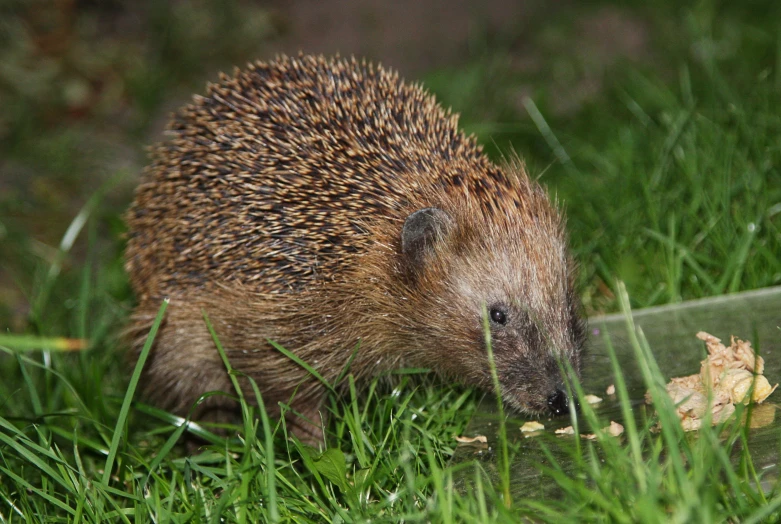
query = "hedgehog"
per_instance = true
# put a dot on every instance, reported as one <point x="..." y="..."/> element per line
<point x="326" y="206"/>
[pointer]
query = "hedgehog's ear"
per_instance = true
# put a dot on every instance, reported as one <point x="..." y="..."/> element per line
<point x="422" y="230"/>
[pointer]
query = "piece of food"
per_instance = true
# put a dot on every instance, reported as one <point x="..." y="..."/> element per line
<point x="592" y="399"/>
<point x="727" y="376"/>
<point x="611" y="389"/>
<point x="532" y="426"/>
<point x="614" y="429"/>
<point x="470" y="440"/>
<point x="569" y="430"/>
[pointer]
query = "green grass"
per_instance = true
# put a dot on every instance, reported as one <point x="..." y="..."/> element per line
<point x="670" y="177"/>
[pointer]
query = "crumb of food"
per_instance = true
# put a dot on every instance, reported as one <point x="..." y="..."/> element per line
<point x="592" y="399"/>
<point x="614" y="429"/>
<point x="728" y="374"/>
<point x="611" y="389"/>
<point x="532" y="426"/>
<point x="469" y="440"/>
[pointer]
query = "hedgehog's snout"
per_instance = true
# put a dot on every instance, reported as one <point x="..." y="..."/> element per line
<point x="559" y="402"/>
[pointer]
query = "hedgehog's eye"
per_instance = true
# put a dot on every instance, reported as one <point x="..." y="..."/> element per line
<point x="498" y="316"/>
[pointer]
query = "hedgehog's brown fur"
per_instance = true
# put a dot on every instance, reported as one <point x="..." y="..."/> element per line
<point x="277" y="208"/>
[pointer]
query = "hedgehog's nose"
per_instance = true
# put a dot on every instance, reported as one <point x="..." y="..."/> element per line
<point x="558" y="402"/>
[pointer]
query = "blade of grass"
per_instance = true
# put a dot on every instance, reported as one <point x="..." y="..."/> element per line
<point x="66" y="244"/>
<point x="635" y="443"/>
<point x="131" y="390"/>
<point x="546" y="132"/>
<point x="670" y="425"/>
<point x="271" y="471"/>
<point x="504" y="459"/>
<point x="39" y="492"/>
<point x="306" y="366"/>
<point x="763" y="512"/>
<point x="18" y="343"/>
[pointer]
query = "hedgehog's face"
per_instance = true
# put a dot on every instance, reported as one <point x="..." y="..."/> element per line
<point x="520" y="292"/>
<point x="531" y="347"/>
